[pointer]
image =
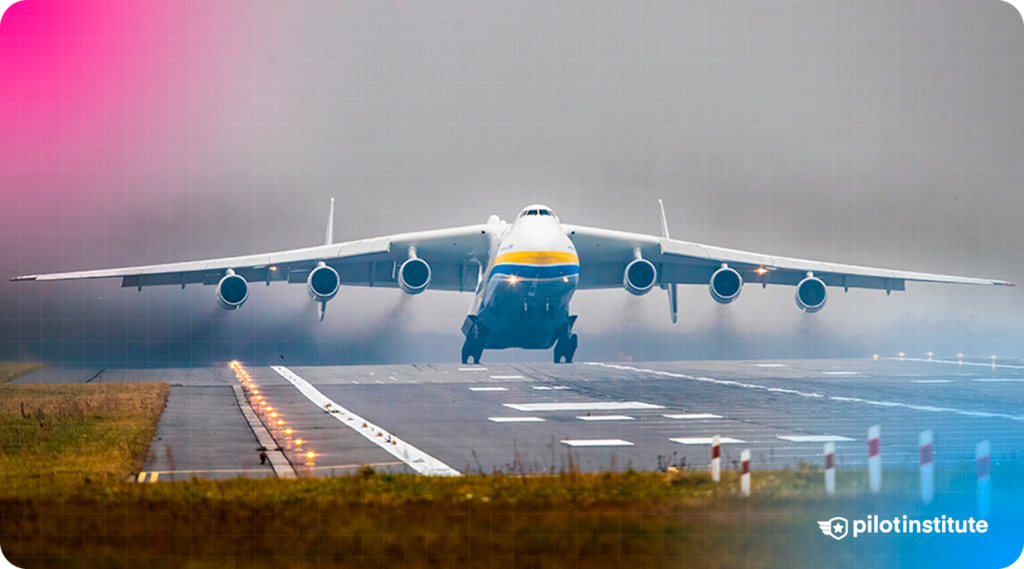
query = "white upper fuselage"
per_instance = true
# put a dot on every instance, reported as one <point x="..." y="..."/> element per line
<point x="523" y="298"/>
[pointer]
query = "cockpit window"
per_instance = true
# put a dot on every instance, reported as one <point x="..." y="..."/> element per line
<point x="544" y="212"/>
<point x="527" y="212"/>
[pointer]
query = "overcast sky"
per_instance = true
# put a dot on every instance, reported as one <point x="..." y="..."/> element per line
<point x="881" y="133"/>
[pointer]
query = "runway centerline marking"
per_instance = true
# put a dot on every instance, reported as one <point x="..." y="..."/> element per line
<point x="740" y="384"/>
<point x="931" y="381"/>
<point x="705" y="440"/>
<point x="506" y="377"/>
<point x="692" y="416"/>
<point x="488" y="389"/>
<point x="815" y="438"/>
<point x="472" y="369"/>
<point x="582" y="406"/>
<point x="596" y="443"/>
<point x="771" y="365"/>
<point x="605" y="418"/>
<point x="416" y="459"/>
<point x="549" y="387"/>
<point x="516" y="419"/>
<point x="842" y="373"/>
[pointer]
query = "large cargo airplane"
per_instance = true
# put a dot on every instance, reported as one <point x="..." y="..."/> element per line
<point x="524" y="274"/>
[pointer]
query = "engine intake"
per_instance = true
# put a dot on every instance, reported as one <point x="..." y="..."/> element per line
<point x="232" y="291"/>
<point x="725" y="285"/>
<point x="639" y="277"/>
<point x="811" y="294"/>
<point x="414" y="276"/>
<point x="323" y="283"/>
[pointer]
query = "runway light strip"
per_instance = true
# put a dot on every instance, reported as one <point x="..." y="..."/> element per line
<point x="516" y="419"/>
<point x="815" y="438"/>
<point x="416" y="459"/>
<point x="583" y="406"/>
<point x="596" y="443"/>
<point x="488" y="389"/>
<point x="605" y="418"/>
<point x="692" y="416"/>
<point x="740" y="384"/>
<point x="705" y="440"/>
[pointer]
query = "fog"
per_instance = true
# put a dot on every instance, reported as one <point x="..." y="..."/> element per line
<point x="874" y="133"/>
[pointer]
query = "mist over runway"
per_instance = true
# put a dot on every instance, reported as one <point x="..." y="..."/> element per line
<point x="536" y="418"/>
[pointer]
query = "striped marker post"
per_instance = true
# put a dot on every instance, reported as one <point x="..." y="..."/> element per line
<point x="716" y="459"/>
<point x="875" y="457"/>
<point x="982" y="453"/>
<point x="927" y="469"/>
<point x="745" y="476"/>
<point x="830" y="468"/>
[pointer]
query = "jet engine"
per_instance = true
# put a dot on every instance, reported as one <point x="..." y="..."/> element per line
<point x="323" y="283"/>
<point x="811" y="294"/>
<point x="639" y="277"/>
<point x="725" y="285"/>
<point x="414" y="276"/>
<point x="232" y="291"/>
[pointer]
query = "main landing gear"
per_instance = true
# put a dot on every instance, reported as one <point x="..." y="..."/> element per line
<point x="473" y="347"/>
<point x="566" y="347"/>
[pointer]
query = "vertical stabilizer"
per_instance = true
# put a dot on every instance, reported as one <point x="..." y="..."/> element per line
<point x="330" y="227"/>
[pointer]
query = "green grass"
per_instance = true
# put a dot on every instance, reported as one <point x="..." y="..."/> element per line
<point x="9" y="371"/>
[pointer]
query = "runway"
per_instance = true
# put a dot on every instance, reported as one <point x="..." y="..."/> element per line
<point x="535" y="418"/>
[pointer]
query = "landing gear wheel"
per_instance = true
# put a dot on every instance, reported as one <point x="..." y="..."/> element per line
<point x="566" y="348"/>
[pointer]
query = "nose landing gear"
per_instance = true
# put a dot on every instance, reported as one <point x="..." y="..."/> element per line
<point x="565" y="346"/>
<point x="473" y="347"/>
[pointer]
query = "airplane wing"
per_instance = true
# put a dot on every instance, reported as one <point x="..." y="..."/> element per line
<point x="454" y="256"/>
<point x="605" y="253"/>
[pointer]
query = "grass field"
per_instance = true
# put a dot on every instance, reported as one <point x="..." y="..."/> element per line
<point x="64" y="502"/>
<point x="9" y="371"/>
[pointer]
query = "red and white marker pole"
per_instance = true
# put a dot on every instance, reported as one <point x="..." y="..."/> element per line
<point x="716" y="459"/>
<point x="875" y="457"/>
<point x="745" y="476"/>
<point x="982" y="453"/>
<point x="830" y="468"/>
<point x="927" y="468"/>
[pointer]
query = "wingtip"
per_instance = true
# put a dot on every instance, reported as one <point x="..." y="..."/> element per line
<point x="24" y="278"/>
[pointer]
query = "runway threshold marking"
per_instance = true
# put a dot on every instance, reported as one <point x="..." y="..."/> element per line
<point x="416" y="459"/>
<point x="506" y="377"/>
<point x="488" y="389"/>
<point x="583" y="406"/>
<point x="605" y="418"/>
<point x="153" y="474"/>
<point x="705" y="440"/>
<point x="692" y="416"/>
<point x="549" y="387"/>
<point x="596" y="443"/>
<point x="815" y="438"/>
<point x="795" y="392"/>
<point x="516" y="419"/>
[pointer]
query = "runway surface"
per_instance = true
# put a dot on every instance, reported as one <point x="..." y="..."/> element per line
<point x="592" y="416"/>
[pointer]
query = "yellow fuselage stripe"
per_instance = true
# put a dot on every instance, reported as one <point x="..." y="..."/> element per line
<point x="537" y="258"/>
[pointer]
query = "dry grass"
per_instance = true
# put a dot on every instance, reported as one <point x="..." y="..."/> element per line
<point x="9" y="371"/>
<point x="58" y="437"/>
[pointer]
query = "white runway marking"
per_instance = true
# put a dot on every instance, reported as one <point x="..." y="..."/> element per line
<point x="798" y="393"/>
<point x="585" y="406"/>
<point x="842" y="373"/>
<point x="597" y="443"/>
<point x="516" y="419"/>
<point x="472" y="369"/>
<point x="488" y="389"/>
<point x="959" y="363"/>
<point x="771" y="365"/>
<point x="814" y="438"/>
<point x="692" y="416"/>
<point x="931" y="381"/>
<point x="506" y="377"/>
<point x="605" y="418"/>
<point x="416" y="459"/>
<point x="705" y="440"/>
<point x="549" y="387"/>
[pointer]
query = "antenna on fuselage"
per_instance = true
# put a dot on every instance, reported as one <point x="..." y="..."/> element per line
<point x="330" y="230"/>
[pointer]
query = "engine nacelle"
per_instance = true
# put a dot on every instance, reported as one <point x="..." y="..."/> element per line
<point x="232" y="291"/>
<point x="414" y="276"/>
<point x="811" y="294"/>
<point x="639" y="277"/>
<point x="323" y="283"/>
<point x="725" y="285"/>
